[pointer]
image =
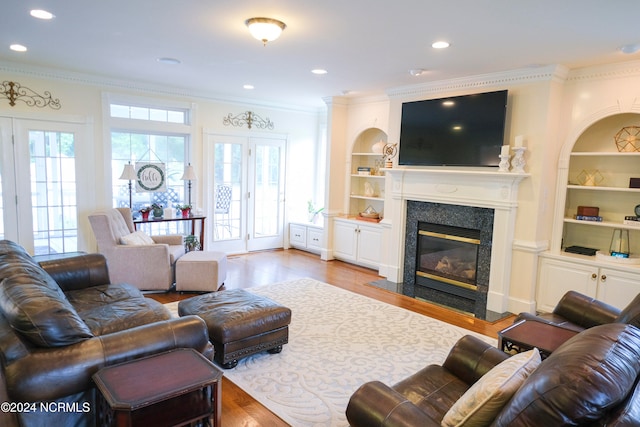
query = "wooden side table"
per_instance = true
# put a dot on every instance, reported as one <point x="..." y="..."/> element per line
<point x="527" y="334"/>
<point x="175" y="388"/>
<point x="192" y="219"/>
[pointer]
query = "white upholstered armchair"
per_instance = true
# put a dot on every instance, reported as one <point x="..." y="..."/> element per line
<point x="147" y="263"/>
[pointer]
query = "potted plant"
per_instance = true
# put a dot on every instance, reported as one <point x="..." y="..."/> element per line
<point x="313" y="212"/>
<point x="158" y="210"/>
<point x="145" y="213"/>
<point x="191" y="243"/>
<point x="185" y="210"/>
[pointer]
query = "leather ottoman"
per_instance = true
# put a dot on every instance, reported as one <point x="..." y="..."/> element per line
<point x="240" y="323"/>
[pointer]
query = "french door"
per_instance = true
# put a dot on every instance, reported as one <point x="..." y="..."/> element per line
<point x="39" y="184"/>
<point x="245" y="192"/>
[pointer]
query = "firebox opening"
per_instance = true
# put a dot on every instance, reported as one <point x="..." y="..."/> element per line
<point x="447" y="260"/>
<point x="448" y="254"/>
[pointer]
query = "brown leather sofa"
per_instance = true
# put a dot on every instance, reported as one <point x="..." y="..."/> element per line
<point x="591" y="380"/>
<point x="60" y="322"/>
<point x="577" y="312"/>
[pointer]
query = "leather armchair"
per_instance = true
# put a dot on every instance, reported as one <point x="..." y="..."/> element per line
<point x="148" y="267"/>
<point x="593" y="379"/>
<point x="577" y="312"/>
<point x="423" y="398"/>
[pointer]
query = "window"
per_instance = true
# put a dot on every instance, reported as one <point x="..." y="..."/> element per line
<point x="149" y="134"/>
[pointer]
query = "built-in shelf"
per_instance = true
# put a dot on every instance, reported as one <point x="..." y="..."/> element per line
<point x="609" y="224"/>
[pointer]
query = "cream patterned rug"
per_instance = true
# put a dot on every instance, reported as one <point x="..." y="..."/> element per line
<point x="338" y="340"/>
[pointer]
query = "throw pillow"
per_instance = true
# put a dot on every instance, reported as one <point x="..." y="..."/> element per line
<point x="479" y="405"/>
<point x="137" y="238"/>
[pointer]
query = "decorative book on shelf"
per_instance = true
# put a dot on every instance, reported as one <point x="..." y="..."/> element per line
<point x="632" y="220"/>
<point x="581" y="250"/>
<point x="588" y="218"/>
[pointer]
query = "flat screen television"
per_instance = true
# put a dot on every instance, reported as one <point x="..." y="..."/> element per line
<point x="463" y="130"/>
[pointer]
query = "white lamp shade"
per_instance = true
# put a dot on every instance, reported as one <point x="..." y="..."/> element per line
<point x="265" y="29"/>
<point x="189" y="173"/>
<point x="128" y="173"/>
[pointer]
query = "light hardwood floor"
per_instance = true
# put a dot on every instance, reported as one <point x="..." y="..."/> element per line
<point x="263" y="268"/>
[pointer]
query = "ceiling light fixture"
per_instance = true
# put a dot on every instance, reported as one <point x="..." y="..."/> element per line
<point x="440" y="45"/>
<point x="417" y="72"/>
<point x="41" y="14"/>
<point x="319" y="71"/>
<point x="265" y="29"/>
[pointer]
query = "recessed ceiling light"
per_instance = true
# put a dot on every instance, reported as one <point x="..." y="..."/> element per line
<point x="319" y="71"/>
<point x="18" y="48"/>
<point x="448" y="103"/>
<point x="630" y="48"/>
<point x="248" y="87"/>
<point x="170" y="61"/>
<point x="41" y="14"/>
<point x="417" y="72"/>
<point x="440" y="45"/>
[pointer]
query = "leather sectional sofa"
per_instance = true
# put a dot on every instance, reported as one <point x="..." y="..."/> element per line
<point x="60" y="322"/>
<point x="593" y="379"/>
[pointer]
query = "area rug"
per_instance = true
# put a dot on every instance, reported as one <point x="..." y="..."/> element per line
<point x="338" y="340"/>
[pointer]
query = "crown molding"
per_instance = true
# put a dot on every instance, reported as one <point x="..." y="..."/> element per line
<point x="607" y="71"/>
<point x="556" y="73"/>
<point x="110" y="84"/>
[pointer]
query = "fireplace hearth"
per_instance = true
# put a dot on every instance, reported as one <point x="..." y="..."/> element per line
<point x="448" y="255"/>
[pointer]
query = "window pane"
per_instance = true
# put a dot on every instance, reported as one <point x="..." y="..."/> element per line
<point x="52" y="186"/>
<point x="176" y="117"/>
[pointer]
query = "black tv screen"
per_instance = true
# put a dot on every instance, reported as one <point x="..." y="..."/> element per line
<point x="463" y="130"/>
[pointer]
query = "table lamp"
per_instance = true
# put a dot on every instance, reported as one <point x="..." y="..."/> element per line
<point x="129" y="174"/>
<point x="189" y="175"/>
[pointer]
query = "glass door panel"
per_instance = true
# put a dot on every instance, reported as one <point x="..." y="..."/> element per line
<point x="53" y="192"/>
<point x="245" y="196"/>
<point x="39" y="185"/>
<point x="266" y="205"/>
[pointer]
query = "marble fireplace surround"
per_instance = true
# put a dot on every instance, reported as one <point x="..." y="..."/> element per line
<point x="465" y="187"/>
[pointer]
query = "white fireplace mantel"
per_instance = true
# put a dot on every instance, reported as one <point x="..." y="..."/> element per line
<point x="466" y="187"/>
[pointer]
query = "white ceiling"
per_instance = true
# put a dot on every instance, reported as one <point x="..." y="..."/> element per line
<point x="367" y="46"/>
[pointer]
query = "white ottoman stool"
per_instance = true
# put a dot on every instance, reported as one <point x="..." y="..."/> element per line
<point x="203" y="271"/>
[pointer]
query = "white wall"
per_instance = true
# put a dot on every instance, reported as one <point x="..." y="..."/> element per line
<point x="83" y="95"/>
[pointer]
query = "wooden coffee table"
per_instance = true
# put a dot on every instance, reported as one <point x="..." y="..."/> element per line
<point x="168" y="389"/>
<point x="527" y="334"/>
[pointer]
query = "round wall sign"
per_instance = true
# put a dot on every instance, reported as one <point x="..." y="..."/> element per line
<point x="637" y="210"/>
<point x="150" y="177"/>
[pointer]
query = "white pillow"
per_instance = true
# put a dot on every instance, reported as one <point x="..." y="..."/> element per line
<point x="479" y="405"/>
<point x="136" y="238"/>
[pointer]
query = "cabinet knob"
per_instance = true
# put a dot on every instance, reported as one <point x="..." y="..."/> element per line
<point x="594" y="276"/>
<point x="603" y="278"/>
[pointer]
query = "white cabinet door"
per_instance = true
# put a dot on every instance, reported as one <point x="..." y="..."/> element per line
<point x="558" y="277"/>
<point x="298" y="235"/>
<point x="617" y="288"/>
<point x="345" y="240"/>
<point x="369" y="244"/>
<point x="314" y="239"/>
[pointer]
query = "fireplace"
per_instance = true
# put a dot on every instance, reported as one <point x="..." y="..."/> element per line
<point x="495" y="193"/>
<point x="448" y="255"/>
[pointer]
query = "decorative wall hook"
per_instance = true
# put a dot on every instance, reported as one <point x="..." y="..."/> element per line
<point x="248" y="118"/>
<point x="16" y="92"/>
